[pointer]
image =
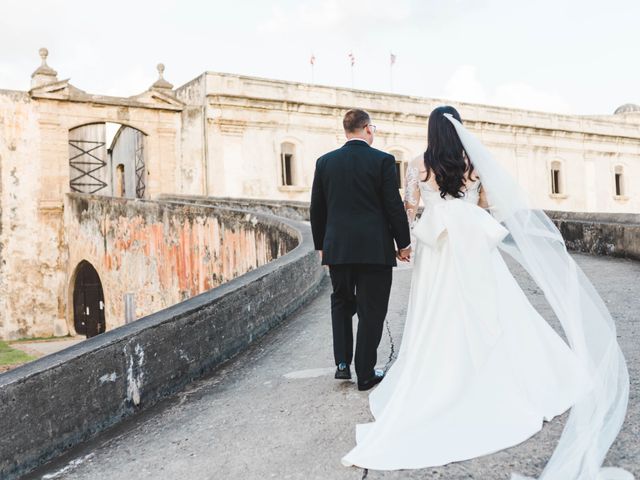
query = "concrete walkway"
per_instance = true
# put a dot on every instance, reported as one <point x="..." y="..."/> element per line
<point x="39" y="348"/>
<point x="276" y="412"/>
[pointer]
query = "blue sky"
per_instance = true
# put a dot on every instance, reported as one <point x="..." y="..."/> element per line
<point x="563" y="56"/>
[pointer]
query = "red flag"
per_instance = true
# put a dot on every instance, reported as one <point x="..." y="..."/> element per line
<point x="312" y="60"/>
<point x="352" y="58"/>
<point x="392" y="58"/>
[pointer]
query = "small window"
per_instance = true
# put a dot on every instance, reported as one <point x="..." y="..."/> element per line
<point x="120" y="190"/>
<point x="556" y="178"/>
<point x="619" y="181"/>
<point x="400" y="167"/>
<point x="287" y="161"/>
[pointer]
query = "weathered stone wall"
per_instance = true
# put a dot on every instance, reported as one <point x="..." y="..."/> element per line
<point x="193" y="152"/>
<point x="55" y="402"/>
<point x="221" y="135"/>
<point x="163" y="253"/>
<point x="34" y="178"/>
<point x="293" y="210"/>
<point x="600" y="233"/>
<point x="594" y="233"/>
<point x="31" y="241"/>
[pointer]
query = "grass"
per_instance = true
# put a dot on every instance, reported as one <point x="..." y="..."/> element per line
<point x="11" y="356"/>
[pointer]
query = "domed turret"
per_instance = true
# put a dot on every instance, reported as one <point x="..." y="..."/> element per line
<point x="627" y="108"/>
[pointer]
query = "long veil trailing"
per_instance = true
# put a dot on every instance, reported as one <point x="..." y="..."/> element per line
<point x="535" y="242"/>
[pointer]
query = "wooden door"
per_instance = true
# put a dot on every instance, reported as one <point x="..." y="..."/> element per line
<point x="88" y="302"/>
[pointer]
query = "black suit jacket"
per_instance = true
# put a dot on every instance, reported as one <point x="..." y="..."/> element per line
<point x="356" y="209"/>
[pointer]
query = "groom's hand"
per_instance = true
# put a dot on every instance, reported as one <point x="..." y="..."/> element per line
<point x="404" y="255"/>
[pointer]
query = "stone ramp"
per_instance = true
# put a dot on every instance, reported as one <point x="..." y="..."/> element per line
<point x="275" y="411"/>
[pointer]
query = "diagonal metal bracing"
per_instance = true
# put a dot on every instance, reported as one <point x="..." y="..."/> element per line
<point x="86" y="163"/>
<point x="140" y="166"/>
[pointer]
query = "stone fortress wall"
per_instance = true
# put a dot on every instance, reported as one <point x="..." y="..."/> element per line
<point x="225" y="135"/>
<point x="37" y="154"/>
<point x="261" y="139"/>
<point x="162" y="253"/>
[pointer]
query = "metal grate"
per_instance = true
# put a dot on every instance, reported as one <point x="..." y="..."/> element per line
<point x="86" y="164"/>
<point x="139" y="159"/>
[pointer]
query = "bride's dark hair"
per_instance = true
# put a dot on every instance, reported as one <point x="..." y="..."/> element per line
<point x="445" y="155"/>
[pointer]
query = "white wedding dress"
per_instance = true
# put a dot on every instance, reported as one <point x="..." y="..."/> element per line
<point x="478" y="369"/>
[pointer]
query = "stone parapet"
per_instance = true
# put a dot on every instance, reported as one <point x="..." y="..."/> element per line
<point x="615" y="234"/>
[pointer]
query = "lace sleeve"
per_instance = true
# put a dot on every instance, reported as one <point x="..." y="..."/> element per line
<point x="412" y="192"/>
<point x="482" y="199"/>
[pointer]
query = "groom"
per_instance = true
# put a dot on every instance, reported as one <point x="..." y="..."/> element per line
<point x="356" y="214"/>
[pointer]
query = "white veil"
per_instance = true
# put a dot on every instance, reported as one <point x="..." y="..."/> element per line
<point x="535" y="242"/>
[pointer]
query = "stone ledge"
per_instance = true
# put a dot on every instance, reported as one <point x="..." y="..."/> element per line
<point x="96" y="383"/>
<point x="614" y="234"/>
<point x="290" y="209"/>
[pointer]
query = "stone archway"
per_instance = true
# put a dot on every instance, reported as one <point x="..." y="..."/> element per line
<point x="88" y="301"/>
<point x="97" y="150"/>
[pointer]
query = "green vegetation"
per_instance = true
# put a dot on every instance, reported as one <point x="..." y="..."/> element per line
<point x="11" y="356"/>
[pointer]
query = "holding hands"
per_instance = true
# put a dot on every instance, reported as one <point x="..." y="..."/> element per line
<point x="404" y="254"/>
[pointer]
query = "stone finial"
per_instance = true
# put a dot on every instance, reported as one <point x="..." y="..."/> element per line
<point x="44" y="74"/>
<point x="161" y="83"/>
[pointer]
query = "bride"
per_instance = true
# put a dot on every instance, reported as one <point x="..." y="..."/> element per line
<point x="479" y="369"/>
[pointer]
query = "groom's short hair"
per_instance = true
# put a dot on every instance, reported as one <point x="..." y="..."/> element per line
<point x="355" y="119"/>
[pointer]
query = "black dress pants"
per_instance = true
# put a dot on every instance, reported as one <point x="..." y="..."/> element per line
<point x="364" y="289"/>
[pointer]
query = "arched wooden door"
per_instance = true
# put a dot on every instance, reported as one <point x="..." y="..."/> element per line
<point x="88" y="301"/>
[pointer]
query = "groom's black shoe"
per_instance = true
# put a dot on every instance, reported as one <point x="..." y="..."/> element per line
<point x="371" y="382"/>
<point x="343" y="372"/>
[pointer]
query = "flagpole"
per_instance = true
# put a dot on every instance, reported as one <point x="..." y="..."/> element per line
<point x="312" y="61"/>
<point x="392" y="62"/>
<point x="352" y="60"/>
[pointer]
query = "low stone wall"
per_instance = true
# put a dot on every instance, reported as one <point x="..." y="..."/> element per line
<point x="282" y="208"/>
<point x="615" y="234"/>
<point x="60" y="400"/>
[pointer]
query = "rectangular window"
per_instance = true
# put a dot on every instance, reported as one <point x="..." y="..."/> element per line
<point x="555" y="181"/>
<point x="619" y="184"/>
<point x="287" y="175"/>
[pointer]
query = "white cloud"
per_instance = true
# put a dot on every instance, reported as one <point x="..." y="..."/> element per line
<point x="113" y="47"/>
<point x="465" y="86"/>
<point x="523" y="95"/>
